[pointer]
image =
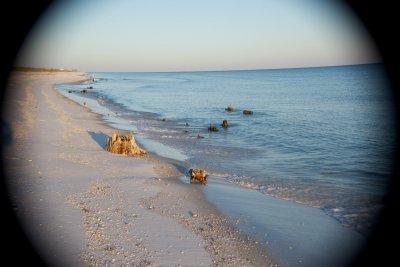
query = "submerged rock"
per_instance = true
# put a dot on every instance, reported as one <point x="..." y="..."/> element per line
<point x="124" y="144"/>
<point x="225" y="124"/>
<point x="212" y="128"/>
<point x="198" y="176"/>
<point x="247" y="112"/>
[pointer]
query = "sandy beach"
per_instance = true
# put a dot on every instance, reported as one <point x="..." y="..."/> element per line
<point x="83" y="206"/>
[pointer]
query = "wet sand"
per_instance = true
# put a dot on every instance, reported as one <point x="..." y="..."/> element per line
<point x="83" y="206"/>
<point x="296" y="235"/>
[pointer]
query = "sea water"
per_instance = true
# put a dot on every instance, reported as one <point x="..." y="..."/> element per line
<point x="323" y="137"/>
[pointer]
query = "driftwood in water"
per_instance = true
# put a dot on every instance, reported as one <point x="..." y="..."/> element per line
<point x="198" y="176"/>
<point x="124" y="144"/>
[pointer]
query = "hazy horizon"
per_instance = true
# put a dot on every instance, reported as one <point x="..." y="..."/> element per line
<point x="216" y="70"/>
<point x="171" y="36"/>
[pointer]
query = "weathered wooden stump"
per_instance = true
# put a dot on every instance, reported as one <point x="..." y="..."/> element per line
<point x="229" y="108"/>
<point x="124" y="144"/>
<point x="198" y="176"/>
<point x="247" y="112"/>
<point x="212" y="128"/>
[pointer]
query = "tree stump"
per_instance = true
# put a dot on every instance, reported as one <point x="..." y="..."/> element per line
<point x="124" y="144"/>
<point x="212" y="128"/>
<point x="198" y="176"/>
<point x="229" y="108"/>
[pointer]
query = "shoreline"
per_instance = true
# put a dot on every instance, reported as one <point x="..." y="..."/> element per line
<point x="95" y="190"/>
<point x="302" y="242"/>
<point x="181" y="136"/>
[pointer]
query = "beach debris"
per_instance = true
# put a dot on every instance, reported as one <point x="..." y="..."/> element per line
<point x="212" y="128"/>
<point x="124" y="144"/>
<point x="229" y="108"/>
<point x="198" y="176"/>
<point x="192" y="214"/>
<point x="247" y="112"/>
<point x="109" y="248"/>
<point x="83" y="91"/>
<point x="225" y="124"/>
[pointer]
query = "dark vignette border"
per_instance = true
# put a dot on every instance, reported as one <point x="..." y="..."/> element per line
<point x="16" y="19"/>
<point x="380" y="18"/>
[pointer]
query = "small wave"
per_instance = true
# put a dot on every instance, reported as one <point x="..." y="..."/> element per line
<point x="248" y="185"/>
<point x="242" y="181"/>
<point x="160" y="130"/>
<point x="174" y="137"/>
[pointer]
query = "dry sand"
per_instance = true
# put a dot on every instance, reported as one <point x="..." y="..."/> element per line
<point x="83" y="206"/>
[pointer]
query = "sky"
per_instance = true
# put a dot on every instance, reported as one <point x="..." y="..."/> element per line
<point x="190" y="35"/>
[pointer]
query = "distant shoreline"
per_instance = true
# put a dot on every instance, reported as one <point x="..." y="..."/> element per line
<point x="30" y="69"/>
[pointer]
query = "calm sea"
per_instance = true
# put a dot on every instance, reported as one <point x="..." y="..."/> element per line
<point x="323" y="137"/>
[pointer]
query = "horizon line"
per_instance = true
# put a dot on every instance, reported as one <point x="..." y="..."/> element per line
<point x="215" y="70"/>
<point x="256" y="69"/>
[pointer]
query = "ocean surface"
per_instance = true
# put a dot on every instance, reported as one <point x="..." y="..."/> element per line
<point x="323" y="137"/>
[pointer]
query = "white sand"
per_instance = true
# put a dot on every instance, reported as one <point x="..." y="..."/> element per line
<point x="81" y="205"/>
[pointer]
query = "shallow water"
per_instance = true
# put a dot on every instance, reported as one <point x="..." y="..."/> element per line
<point x="323" y="137"/>
<point x="296" y="235"/>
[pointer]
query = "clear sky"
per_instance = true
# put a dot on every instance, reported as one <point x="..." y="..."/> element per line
<point x="185" y="35"/>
